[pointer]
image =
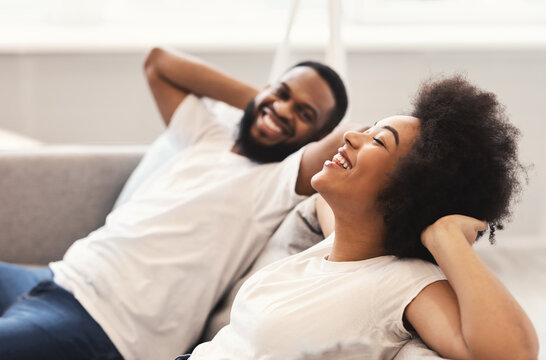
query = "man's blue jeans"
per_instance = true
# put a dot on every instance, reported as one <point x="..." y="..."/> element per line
<point x="41" y="320"/>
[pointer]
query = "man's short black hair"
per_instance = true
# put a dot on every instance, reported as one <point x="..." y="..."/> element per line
<point x="338" y="91"/>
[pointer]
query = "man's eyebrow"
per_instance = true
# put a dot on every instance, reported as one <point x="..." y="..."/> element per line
<point x="394" y="132"/>
<point x="303" y="104"/>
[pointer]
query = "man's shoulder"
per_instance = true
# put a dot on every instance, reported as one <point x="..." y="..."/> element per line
<point x="196" y="119"/>
<point x="224" y="113"/>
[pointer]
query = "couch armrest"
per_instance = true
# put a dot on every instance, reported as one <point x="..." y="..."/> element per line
<point x="53" y="195"/>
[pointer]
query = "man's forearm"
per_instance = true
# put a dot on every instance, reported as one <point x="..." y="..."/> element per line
<point x="195" y="76"/>
<point x="325" y="216"/>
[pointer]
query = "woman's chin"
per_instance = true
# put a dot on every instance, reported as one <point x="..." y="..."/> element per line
<point x="319" y="181"/>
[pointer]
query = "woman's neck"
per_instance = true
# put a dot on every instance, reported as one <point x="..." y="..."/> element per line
<point x="357" y="239"/>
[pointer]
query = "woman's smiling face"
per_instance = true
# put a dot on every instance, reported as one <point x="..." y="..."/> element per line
<point x="358" y="172"/>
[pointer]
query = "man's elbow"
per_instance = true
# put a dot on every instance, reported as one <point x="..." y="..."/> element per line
<point x="151" y="68"/>
<point x="152" y="58"/>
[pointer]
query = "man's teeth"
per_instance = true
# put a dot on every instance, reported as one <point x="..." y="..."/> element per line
<point x="270" y="124"/>
<point x="340" y="159"/>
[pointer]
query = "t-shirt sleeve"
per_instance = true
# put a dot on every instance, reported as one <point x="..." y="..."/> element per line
<point x="276" y="193"/>
<point x="407" y="281"/>
<point x="192" y="120"/>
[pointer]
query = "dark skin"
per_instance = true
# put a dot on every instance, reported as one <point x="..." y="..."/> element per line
<point x="469" y="316"/>
<point x="299" y="106"/>
<point x="295" y="109"/>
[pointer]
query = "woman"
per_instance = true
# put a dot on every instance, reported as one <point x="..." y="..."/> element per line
<point x="406" y="194"/>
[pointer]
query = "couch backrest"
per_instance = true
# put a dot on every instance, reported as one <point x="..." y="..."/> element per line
<point x="51" y="196"/>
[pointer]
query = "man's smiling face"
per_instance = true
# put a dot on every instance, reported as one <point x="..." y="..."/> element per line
<point x="286" y="115"/>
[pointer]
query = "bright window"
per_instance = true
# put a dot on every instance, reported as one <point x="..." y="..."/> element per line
<point x="139" y="23"/>
<point x="423" y="12"/>
<point x="271" y="11"/>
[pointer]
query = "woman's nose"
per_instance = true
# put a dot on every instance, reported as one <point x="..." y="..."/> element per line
<point x="354" y="138"/>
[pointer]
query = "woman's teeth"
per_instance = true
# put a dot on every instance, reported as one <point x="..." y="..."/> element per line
<point x="341" y="160"/>
<point x="271" y="125"/>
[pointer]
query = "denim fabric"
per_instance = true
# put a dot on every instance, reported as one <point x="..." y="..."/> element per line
<point x="39" y="319"/>
<point x="16" y="280"/>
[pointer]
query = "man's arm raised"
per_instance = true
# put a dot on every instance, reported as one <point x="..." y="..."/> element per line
<point x="317" y="153"/>
<point x="325" y="215"/>
<point x="172" y="76"/>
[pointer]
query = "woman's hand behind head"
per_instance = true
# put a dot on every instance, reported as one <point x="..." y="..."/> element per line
<point x="439" y="231"/>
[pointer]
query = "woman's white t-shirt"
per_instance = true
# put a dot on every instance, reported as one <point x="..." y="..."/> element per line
<point x="305" y="304"/>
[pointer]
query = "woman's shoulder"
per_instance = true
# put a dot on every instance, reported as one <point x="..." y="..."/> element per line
<point x="411" y="270"/>
<point x="417" y="266"/>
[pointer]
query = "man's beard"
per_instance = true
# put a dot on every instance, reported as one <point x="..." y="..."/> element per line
<point x="254" y="150"/>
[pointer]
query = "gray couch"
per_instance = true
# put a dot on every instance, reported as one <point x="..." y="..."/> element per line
<point x="53" y="195"/>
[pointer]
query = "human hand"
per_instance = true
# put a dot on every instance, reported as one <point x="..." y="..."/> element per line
<point x="445" y="227"/>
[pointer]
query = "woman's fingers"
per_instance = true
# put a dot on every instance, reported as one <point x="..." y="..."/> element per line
<point x="467" y="225"/>
<point x="482" y="226"/>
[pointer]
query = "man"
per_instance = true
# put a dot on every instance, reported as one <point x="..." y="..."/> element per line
<point x="141" y="286"/>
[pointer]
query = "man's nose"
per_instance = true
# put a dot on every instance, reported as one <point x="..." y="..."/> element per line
<point x="283" y="109"/>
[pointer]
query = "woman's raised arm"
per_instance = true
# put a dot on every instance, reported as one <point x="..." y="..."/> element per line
<point x="474" y="316"/>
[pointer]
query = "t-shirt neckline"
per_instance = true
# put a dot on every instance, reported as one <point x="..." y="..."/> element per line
<point x="348" y="266"/>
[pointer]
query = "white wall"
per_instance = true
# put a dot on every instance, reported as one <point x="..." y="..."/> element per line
<point x="102" y="98"/>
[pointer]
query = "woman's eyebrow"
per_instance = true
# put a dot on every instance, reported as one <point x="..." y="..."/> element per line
<point x="394" y="132"/>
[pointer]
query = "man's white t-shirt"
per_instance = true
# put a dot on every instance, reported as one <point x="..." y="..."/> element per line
<point x="153" y="272"/>
<point x="305" y="304"/>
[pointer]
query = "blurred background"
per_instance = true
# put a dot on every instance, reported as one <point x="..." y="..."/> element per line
<point x="71" y="70"/>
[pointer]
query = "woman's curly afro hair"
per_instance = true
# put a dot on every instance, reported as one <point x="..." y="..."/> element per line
<point x="464" y="161"/>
